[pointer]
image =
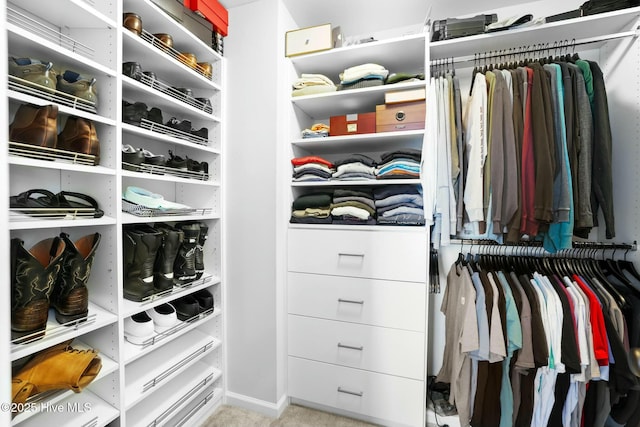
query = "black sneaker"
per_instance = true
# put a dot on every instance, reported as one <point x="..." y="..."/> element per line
<point x="132" y="157"/>
<point x="176" y="162"/>
<point x="184" y="125"/>
<point x="132" y="69"/>
<point x="153" y="159"/>
<point x="155" y="115"/>
<point x="204" y="298"/>
<point x="134" y="113"/>
<point x="196" y="166"/>
<point x="186" y="307"/>
<point x="202" y="133"/>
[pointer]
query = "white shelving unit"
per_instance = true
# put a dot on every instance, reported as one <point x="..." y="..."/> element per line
<point x="85" y="42"/>
<point x="333" y="290"/>
<point x="88" y="37"/>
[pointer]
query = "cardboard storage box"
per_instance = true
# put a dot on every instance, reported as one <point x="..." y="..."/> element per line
<point x="403" y="116"/>
<point x="308" y="40"/>
<point x="352" y="124"/>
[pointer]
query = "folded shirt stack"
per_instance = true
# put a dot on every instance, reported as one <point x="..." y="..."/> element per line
<point x="311" y="168"/>
<point x="318" y="130"/>
<point x="356" y="167"/>
<point x="312" y="209"/>
<point x="353" y="207"/>
<point x="403" y="78"/>
<point x="361" y="76"/>
<point x="399" y="205"/>
<point x="309" y="84"/>
<point x="399" y="164"/>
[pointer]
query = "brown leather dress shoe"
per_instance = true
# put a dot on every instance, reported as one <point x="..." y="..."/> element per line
<point x="35" y="125"/>
<point x="79" y="135"/>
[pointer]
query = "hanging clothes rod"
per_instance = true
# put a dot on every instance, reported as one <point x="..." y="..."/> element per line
<point x="549" y="47"/>
<point x="538" y="244"/>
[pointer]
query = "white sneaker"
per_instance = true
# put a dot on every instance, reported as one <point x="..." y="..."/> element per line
<point x="138" y="328"/>
<point x="164" y="317"/>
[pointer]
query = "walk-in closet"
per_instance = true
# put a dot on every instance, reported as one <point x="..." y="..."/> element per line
<point x="409" y="214"/>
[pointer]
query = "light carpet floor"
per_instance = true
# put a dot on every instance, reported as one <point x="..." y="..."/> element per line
<point x="293" y="416"/>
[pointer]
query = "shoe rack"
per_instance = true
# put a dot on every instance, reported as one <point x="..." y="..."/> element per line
<point x="175" y="377"/>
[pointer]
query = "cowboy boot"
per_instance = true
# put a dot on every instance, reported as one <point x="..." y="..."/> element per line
<point x="60" y="367"/>
<point x="35" y="125"/>
<point x="141" y="245"/>
<point x="184" y="267"/>
<point x="70" y="297"/>
<point x="163" y="269"/>
<point x="33" y="276"/>
<point x="79" y="135"/>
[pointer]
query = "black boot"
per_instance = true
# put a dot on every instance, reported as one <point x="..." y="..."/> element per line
<point x="163" y="269"/>
<point x="33" y="276"/>
<point x="184" y="267"/>
<point x="202" y="238"/>
<point x="70" y="297"/>
<point x="141" y="245"/>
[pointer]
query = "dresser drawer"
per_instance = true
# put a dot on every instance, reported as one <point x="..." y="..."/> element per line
<point x="400" y="305"/>
<point x="384" y="350"/>
<point x="391" y="255"/>
<point x="398" y="400"/>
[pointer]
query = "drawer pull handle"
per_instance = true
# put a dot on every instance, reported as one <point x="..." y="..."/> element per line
<point x="350" y="301"/>
<point x="348" y="254"/>
<point x="353" y="393"/>
<point x="350" y="347"/>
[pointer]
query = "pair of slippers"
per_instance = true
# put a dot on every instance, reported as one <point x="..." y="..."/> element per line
<point x="44" y="203"/>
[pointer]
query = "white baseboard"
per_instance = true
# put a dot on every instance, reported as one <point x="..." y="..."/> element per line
<point x="269" y="409"/>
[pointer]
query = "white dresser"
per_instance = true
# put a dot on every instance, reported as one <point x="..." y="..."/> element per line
<point x="356" y="321"/>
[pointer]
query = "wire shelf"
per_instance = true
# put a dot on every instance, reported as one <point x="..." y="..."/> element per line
<point x="53" y="154"/>
<point x="51" y="34"/>
<point x="18" y="214"/>
<point x="154" y="41"/>
<point x="177" y="328"/>
<point x="29" y="88"/>
<point x="174" y="93"/>
<point x="164" y="170"/>
<point x="143" y="211"/>
<point x="55" y="330"/>
<point x="166" y="130"/>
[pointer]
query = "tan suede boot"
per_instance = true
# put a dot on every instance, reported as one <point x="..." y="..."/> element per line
<point x="60" y="367"/>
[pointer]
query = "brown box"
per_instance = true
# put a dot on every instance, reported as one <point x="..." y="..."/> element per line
<point x="352" y="124"/>
<point x="403" y="116"/>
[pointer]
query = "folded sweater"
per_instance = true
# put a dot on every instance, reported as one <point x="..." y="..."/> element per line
<point x="299" y="161"/>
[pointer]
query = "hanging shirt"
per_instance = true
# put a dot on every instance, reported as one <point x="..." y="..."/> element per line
<point x="528" y="224"/>
<point x="503" y="181"/>
<point x="461" y="337"/>
<point x="428" y="162"/>
<point x="475" y="122"/>
<point x="561" y="229"/>
<point x="583" y="149"/>
<point x="514" y="342"/>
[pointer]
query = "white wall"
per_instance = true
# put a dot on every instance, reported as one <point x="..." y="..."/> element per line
<point x="251" y="52"/>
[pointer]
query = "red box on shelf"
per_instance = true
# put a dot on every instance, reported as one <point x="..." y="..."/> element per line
<point x="352" y="124"/>
<point x="213" y="11"/>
